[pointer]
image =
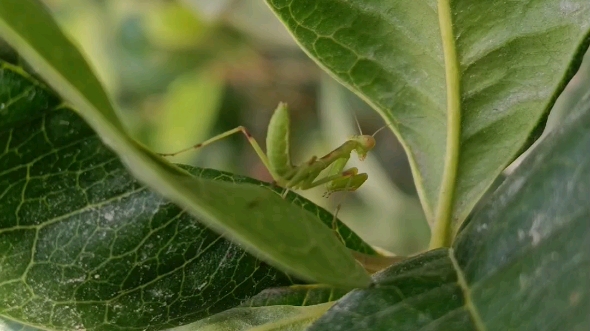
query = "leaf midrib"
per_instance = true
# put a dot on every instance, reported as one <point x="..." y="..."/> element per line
<point x="442" y="235"/>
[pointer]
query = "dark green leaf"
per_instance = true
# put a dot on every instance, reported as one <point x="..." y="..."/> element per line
<point x="463" y="104"/>
<point x="273" y="228"/>
<point x="522" y="262"/>
<point x="84" y="245"/>
<point x="418" y="294"/>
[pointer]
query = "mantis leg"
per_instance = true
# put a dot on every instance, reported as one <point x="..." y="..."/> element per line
<point x="284" y="194"/>
<point x="348" y="180"/>
<point x="335" y="225"/>
<point x="223" y="135"/>
<point x="337" y="178"/>
<point x="349" y="173"/>
<point x="306" y="173"/>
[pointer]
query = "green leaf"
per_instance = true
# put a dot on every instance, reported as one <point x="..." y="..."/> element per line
<point x="295" y="295"/>
<point x="351" y="239"/>
<point x="274" y="318"/>
<point x="276" y="230"/>
<point x="521" y="263"/>
<point x="287" y="308"/>
<point x="81" y="238"/>
<point x="466" y="84"/>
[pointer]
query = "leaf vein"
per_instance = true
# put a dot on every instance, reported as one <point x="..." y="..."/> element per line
<point x="469" y="304"/>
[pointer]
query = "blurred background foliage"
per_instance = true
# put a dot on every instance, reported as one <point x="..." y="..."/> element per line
<point x="182" y="71"/>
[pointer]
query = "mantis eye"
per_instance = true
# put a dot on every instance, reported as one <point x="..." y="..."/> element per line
<point x="369" y="142"/>
<point x="365" y="144"/>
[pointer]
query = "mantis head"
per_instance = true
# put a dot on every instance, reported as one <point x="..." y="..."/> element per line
<point x="364" y="143"/>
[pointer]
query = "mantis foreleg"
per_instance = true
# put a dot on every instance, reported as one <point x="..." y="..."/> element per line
<point x="337" y="179"/>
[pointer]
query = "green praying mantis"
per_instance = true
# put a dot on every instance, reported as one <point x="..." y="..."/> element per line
<point x="277" y="159"/>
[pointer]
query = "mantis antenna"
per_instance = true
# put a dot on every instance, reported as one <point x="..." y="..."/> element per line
<point x="358" y="125"/>
<point x="381" y="128"/>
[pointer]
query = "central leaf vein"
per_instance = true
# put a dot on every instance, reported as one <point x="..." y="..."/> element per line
<point x="442" y="235"/>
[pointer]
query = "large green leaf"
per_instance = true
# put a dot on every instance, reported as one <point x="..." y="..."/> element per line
<point x="521" y="263"/>
<point x="258" y="218"/>
<point x="466" y="84"/>
<point x="81" y="238"/>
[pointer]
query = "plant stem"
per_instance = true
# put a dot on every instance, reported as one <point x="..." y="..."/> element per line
<point x="442" y="234"/>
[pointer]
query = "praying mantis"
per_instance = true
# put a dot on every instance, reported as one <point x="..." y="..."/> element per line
<point x="277" y="159"/>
